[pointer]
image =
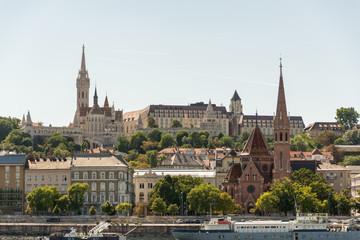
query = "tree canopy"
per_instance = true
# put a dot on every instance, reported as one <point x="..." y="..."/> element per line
<point x="347" y="117"/>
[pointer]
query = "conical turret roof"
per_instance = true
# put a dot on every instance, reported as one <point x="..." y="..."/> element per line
<point x="256" y="144"/>
<point x="235" y="97"/>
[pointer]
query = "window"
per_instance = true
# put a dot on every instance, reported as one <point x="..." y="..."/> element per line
<point x="63" y="188"/>
<point x="49" y="178"/>
<point x="85" y="175"/>
<point x="141" y="197"/>
<point x="35" y="178"/>
<point x="56" y="178"/>
<point x="42" y="178"/>
<point x="28" y="178"/>
<point x="93" y="198"/>
<point x="141" y="185"/>
<point x="281" y="137"/>
<point x="111" y="198"/>
<point x="102" y="175"/>
<point x="93" y="186"/>
<point x="111" y="186"/>
<point x="28" y="187"/>
<point x="150" y="185"/>
<point x="93" y="175"/>
<point x="86" y="197"/>
<point x="281" y="160"/>
<point x="286" y="137"/>
<point x="111" y="175"/>
<point x="76" y="175"/>
<point x="102" y="186"/>
<point x="102" y="197"/>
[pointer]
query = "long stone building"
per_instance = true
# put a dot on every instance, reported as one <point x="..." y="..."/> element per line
<point x="100" y="125"/>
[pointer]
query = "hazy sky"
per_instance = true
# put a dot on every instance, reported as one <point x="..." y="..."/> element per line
<point x="179" y="52"/>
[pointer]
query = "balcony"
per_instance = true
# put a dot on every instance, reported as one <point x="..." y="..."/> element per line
<point x="4" y="191"/>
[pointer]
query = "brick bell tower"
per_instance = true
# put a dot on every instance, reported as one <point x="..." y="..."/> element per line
<point x="281" y="135"/>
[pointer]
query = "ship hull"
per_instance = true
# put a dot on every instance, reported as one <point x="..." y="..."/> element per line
<point x="300" y="235"/>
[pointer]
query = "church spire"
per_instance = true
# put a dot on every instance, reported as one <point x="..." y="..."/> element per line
<point x="83" y="66"/>
<point x="106" y="103"/>
<point x="95" y="97"/>
<point x="281" y="135"/>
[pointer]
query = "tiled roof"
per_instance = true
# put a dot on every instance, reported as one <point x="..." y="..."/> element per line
<point x="13" y="159"/>
<point x="330" y="166"/>
<point x="234" y="173"/>
<point x="183" y="160"/>
<point x="196" y="107"/>
<point x="329" y="125"/>
<point x="50" y="163"/>
<point x="256" y="144"/>
<point x="268" y="117"/>
<point x="98" y="160"/>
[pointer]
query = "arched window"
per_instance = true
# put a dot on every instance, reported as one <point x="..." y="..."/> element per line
<point x="102" y="175"/>
<point x="141" y="197"/>
<point x="76" y="175"/>
<point x="85" y="175"/>
<point x="275" y="137"/>
<point x="281" y="160"/>
<point x="102" y="186"/>
<point x="82" y="94"/>
<point x="232" y="192"/>
<point x="281" y="137"/>
<point x="286" y="137"/>
<point x="86" y="197"/>
<point x="93" y="186"/>
<point x="93" y="176"/>
<point x="111" y="186"/>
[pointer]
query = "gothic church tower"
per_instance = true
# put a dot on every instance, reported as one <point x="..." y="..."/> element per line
<point x="82" y="84"/>
<point x="281" y="135"/>
<point x="236" y="110"/>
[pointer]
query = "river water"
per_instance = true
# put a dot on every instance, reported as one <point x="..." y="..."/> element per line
<point x="129" y="237"/>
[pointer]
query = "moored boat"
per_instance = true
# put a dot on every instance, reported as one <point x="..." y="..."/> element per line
<point x="307" y="226"/>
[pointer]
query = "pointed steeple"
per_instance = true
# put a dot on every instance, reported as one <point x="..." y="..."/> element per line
<point x="235" y="97"/>
<point x="281" y="135"/>
<point x="281" y="111"/>
<point x="83" y="66"/>
<point x="23" y="120"/>
<point x="28" y="118"/>
<point x="95" y="97"/>
<point x="106" y="103"/>
<point x="209" y="107"/>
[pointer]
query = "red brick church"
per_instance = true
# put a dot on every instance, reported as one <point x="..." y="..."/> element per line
<point x="259" y="166"/>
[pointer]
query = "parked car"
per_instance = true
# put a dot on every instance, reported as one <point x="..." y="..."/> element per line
<point x="179" y="221"/>
<point x="53" y="220"/>
<point x="187" y="221"/>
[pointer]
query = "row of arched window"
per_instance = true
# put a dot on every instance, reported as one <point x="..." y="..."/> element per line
<point x="281" y="137"/>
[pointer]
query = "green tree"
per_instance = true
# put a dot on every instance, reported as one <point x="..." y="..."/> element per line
<point x="306" y="200"/>
<point x="6" y="125"/>
<point x="17" y="141"/>
<point x="326" y="138"/>
<point x="339" y="141"/>
<point x="151" y="155"/>
<point x="76" y="195"/>
<point x="107" y="208"/>
<point x="92" y="211"/>
<point x="241" y="140"/>
<point x="57" y="210"/>
<point x="347" y="117"/>
<point x="149" y="145"/>
<point x="173" y="209"/>
<point x="270" y="142"/>
<point x="43" y="199"/>
<point x="352" y="161"/>
<point x="305" y="177"/>
<point x="158" y="206"/>
<point x="170" y="189"/>
<point x="176" y="124"/>
<point x="124" y="207"/>
<point x="201" y="197"/>
<point x="227" y="142"/>
<point x="344" y="203"/>
<point x="151" y="122"/>
<point x="63" y="203"/>
<point x="136" y="141"/>
<point x="266" y="202"/>
<point x="352" y="137"/>
<point x="122" y="144"/>
<point x="225" y="204"/>
<point x="179" y="136"/>
<point x="140" y="210"/>
<point x="154" y="135"/>
<point x="302" y="142"/>
<point x="283" y="192"/>
<point x="167" y="140"/>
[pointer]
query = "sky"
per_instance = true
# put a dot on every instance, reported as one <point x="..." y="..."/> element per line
<point x="144" y="52"/>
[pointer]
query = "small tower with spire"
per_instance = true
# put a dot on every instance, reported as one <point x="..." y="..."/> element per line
<point x="281" y="135"/>
<point x="106" y="103"/>
<point x="82" y="84"/>
<point x="95" y="97"/>
<point x="235" y="105"/>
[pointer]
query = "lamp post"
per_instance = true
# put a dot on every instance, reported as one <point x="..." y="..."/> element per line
<point x="181" y="203"/>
